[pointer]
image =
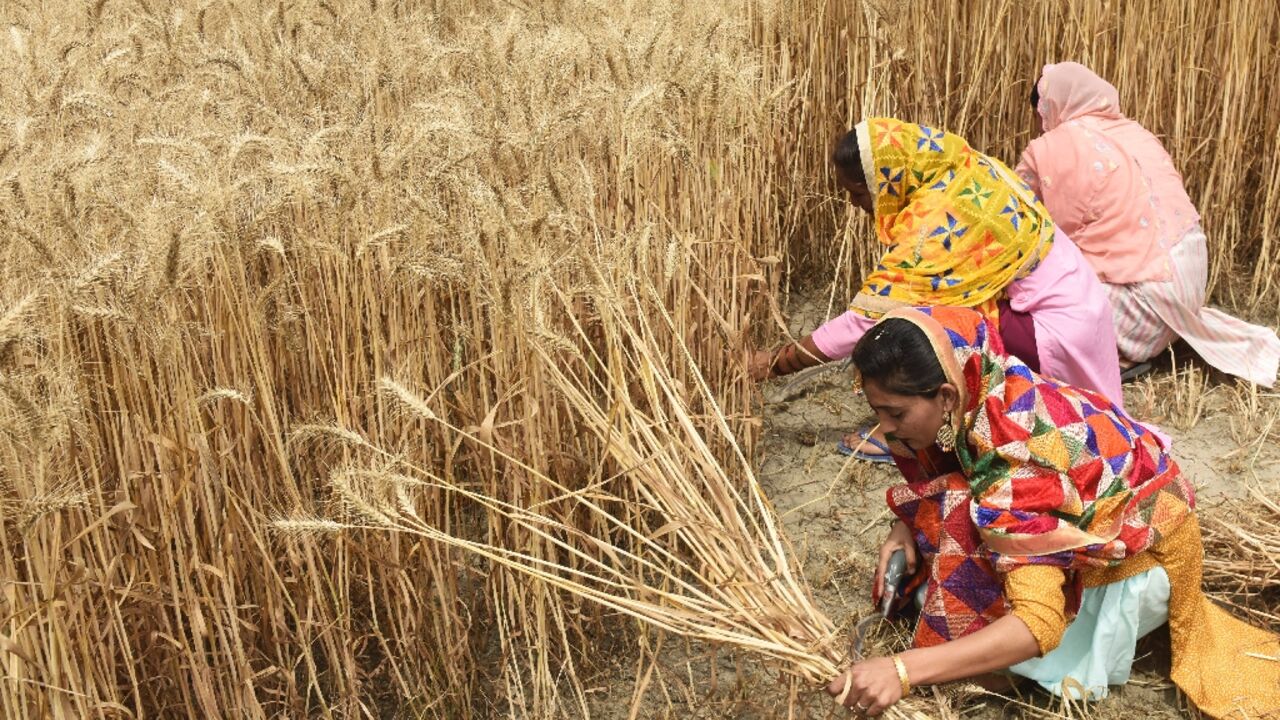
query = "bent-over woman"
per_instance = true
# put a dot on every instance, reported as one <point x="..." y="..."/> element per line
<point x="1050" y="529"/>
<point x="1112" y="187"/>
<point x="959" y="228"/>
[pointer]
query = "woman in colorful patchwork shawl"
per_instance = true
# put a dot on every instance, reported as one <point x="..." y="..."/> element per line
<point x="1050" y="529"/>
<point x="959" y="228"/>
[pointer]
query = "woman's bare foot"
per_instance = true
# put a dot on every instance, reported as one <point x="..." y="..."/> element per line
<point x="853" y="440"/>
<point x="872" y="448"/>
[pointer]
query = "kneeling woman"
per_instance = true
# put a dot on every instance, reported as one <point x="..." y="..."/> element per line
<point x="1051" y="529"/>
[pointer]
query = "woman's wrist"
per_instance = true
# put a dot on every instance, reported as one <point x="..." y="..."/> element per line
<point x="795" y="357"/>
<point x="785" y="361"/>
<point x="916" y="663"/>
<point x="901" y="531"/>
<point x="774" y="364"/>
<point x="996" y="647"/>
<point x="904" y="677"/>
<point x="933" y="665"/>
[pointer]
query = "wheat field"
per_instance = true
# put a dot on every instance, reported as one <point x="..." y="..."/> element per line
<point x="258" y="257"/>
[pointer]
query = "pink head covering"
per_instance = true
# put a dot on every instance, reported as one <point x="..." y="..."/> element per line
<point x="1107" y="181"/>
<point x="1070" y="90"/>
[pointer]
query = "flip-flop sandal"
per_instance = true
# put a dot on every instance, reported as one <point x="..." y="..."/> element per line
<point x="884" y="456"/>
<point x="1135" y="371"/>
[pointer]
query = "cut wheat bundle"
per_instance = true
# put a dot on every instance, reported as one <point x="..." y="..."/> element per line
<point x="684" y="542"/>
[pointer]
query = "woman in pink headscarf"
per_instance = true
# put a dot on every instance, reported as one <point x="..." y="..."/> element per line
<point x="1111" y="187"/>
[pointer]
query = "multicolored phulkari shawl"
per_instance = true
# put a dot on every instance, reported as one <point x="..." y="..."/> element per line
<point x="1046" y="474"/>
<point x="962" y="591"/>
<point x="959" y="225"/>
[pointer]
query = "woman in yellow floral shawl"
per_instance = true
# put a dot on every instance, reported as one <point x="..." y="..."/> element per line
<point x="960" y="229"/>
<point x="959" y="226"/>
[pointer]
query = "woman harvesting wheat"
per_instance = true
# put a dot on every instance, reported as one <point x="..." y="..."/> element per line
<point x="959" y="228"/>
<point x="1028" y="502"/>
<point x="1112" y="187"/>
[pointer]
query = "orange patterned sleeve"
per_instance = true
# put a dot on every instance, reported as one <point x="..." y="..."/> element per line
<point x="1035" y="593"/>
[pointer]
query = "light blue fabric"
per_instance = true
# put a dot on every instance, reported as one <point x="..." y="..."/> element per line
<point x="1097" y="648"/>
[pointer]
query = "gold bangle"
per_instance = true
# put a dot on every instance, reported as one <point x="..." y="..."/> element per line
<point x="902" y="675"/>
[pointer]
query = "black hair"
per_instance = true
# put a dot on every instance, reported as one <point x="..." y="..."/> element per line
<point x="1035" y="95"/>
<point x="896" y="354"/>
<point x="848" y="160"/>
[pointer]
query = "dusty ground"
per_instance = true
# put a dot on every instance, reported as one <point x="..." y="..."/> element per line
<point x="1225" y="436"/>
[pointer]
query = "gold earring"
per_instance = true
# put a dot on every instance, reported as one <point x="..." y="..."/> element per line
<point x="947" y="434"/>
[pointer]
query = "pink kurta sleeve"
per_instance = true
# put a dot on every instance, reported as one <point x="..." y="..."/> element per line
<point x="837" y="336"/>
